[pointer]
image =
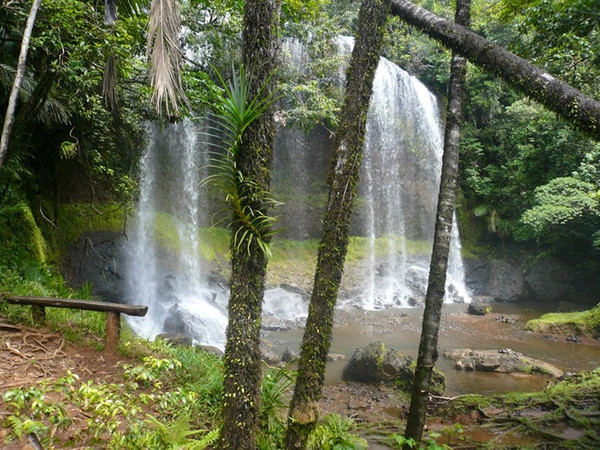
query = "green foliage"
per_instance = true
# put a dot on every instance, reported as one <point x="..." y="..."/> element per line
<point x="20" y="237"/>
<point x="246" y="199"/>
<point x="566" y="214"/>
<point x="64" y="224"/>
<point x="334" y="434"/>
<point x="584" y="323"/>
<point x="277" y="385"/>
<point x="157" y="405"/>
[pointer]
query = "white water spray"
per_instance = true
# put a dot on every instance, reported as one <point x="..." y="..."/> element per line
<point x="164" y="267"/>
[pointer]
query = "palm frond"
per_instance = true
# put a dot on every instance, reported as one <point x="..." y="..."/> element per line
<point x="165" y="53"/>
<point x="109" y="83"/>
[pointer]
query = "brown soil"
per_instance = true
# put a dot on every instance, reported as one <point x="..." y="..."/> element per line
<point x="29" y="356"/>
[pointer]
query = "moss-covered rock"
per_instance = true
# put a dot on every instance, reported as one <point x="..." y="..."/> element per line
<point x="582" y="323"/>
<point x="20" y="236"/>
<point x="375" y="363"/>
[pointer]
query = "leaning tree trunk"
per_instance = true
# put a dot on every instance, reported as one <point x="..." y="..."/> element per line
<point x="242" y="361"/>
<point x="343" y="180"/>
<point x="441" y="243"/>
<point x="12" y="100"/>
<point x="558" y="96"/>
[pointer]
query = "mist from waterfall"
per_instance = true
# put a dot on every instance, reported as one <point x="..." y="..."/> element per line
<point x="164" y="266"/>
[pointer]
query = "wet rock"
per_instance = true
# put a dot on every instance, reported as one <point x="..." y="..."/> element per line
<point x="268" y="353"/>
<point x="454" y="294"/>
<point x="415" y="302"/>
<point x="175" y="322"/>
<point x="477" y="275"/>
<point x="506" y="283"/>
<point x="574" y="339"/>
<point x="292" y="288"/>
<point x="180" y="339"/>
<point x="270" y="323"/>
<point x="548" y="280"/>
<point x="97" y="259"/>
<point x="212" y="350"/>
<point x="502" y="361"/>
<point x="506" y="319"/>
<point x="375" y="364"/>
<point x="336" y="357"/>
<point x="289" y="355"/>
<point x="478" y="308"/>
<point x="569" y="307"/>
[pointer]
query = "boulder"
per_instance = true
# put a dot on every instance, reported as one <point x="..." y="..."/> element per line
<point x="375" y="364"/>
<point x="336" y="357"/>
<point x="268" y="353"/>
<point x="289" y="355"/>
<point x="292" y="288"/>
<point x="479" y="307"/>
<point x="502" y="361"/>
<point x="549" y="280"/>
<point x="477" y="275"/>
<point x="175" y="322"/>
<point x="179" y="339"/>
<point x="506" y="282"/>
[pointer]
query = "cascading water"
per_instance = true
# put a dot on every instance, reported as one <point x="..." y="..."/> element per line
<point x="399" y="183"/>
<point x="164" y="268"/>
<point x="396" y="213"/>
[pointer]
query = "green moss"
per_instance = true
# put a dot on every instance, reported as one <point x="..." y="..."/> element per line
<point x="584" y="323"/>
<point x="20" y="236"/>
<point x="63" y="225"/>
<point x="359" y="248"/>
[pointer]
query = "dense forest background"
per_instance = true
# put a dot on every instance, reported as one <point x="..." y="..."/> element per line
<point x="529" y="182"/>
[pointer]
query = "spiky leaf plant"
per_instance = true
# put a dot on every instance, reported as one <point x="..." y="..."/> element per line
<point x="246" y="200"/>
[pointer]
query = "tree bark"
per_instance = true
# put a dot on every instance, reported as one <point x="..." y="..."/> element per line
<point x="580" y="110"/>
<point x="441" y="243"/>
<point x="12" y="100"/>
<point x="242" y="360"/>
<point x="342" y="180"/>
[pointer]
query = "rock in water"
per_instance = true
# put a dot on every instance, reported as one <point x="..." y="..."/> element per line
<point x="479" y="308"/>
<point x="502" y="361"/>
<point x="375" y="364"/>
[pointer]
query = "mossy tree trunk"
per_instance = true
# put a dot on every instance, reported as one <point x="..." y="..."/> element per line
<point x="342" y="180"/>
<point x="242" y="360"/>
<point x="580" y="110"/>
<point x="441" y="243"/>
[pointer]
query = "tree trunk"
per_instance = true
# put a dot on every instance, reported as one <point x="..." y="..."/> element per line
<point x="582" y="111"/>
<point x="342" y="180"/>
<point x="242" y="361"/>
<point x="12" y="100"/>
<point x="441" y="243"/>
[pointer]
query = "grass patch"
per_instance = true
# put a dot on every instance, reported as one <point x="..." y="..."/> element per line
<point x="583" y="323"/>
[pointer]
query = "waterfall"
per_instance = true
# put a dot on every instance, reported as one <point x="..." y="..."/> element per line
<point x="399" y="184"/>
<point x="394" y="219"/>
<point x="163" y="268"/>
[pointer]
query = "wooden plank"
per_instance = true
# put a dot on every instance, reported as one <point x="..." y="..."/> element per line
<point x="73" y="303"/>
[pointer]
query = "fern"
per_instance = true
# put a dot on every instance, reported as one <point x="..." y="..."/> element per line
<point x="245" y="198"/>
<point x="176" y="434"/>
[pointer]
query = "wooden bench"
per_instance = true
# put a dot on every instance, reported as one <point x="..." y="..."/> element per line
<point x="113" y="312"/>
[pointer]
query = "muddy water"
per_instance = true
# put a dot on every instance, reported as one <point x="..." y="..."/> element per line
<point x="399" y="329"/>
